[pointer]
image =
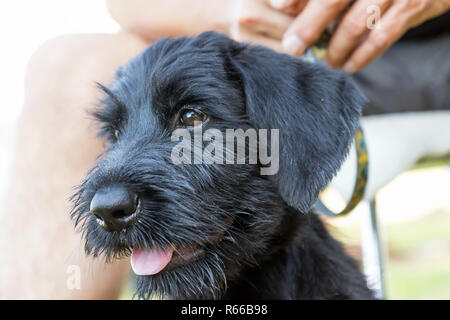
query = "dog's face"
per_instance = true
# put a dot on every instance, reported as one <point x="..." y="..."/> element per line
<point x="191" y="228"/>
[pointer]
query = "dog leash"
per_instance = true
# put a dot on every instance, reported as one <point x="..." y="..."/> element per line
<point x="362" y="170"/>
<point x="317" y="53"/>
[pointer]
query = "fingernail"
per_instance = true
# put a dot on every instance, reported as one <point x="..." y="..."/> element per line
<point x="349" y="67"/>
<point x="293" y="44"/>
<point x="279" y="4"/>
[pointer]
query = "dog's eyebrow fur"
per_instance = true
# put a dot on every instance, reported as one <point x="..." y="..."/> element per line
<point x="111" y="111"/>
<point x="111" y="95"/>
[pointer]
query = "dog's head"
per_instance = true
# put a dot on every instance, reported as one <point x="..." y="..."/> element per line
<point x="193" y="227"/>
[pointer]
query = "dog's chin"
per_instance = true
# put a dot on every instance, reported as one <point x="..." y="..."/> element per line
<point x="201" y="274"/>
<point x="190" y="271"/>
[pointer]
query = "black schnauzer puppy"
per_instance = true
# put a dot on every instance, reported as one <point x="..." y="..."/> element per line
<point x="202" y="231"/>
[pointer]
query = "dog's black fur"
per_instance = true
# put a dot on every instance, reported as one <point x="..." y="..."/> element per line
<point x="275" y="247"/>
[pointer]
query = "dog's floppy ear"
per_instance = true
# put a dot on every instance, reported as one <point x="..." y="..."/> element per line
<point x="315" y="108"/>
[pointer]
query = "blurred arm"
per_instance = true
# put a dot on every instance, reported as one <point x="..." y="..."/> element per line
<point x="153" y="19"/>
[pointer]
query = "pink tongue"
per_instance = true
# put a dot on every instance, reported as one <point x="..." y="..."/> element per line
<point x="150" y="261"/>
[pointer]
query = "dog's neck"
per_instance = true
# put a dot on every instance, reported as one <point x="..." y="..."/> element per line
<point x="304" y="250"/>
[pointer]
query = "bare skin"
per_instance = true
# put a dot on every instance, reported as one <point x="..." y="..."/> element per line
<point x="55" y="147"/>
<point x="153" y="19"/>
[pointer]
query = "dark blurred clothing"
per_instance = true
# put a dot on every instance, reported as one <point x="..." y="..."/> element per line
<point x="413" y="75"/>
<point x="429" y="29"/>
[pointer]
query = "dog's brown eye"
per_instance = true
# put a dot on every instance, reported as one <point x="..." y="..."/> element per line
<point x="117" y="134"/>
<point x="189" y="118"/>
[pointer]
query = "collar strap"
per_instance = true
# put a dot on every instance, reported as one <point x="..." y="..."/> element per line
<point x="361" y="178"/>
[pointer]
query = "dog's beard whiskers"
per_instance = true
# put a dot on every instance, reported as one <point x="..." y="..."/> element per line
<point x="202" y="280"/>
<point x="78" y="212"/>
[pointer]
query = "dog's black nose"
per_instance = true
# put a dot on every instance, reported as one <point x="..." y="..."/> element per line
<point x="114" y="207"/>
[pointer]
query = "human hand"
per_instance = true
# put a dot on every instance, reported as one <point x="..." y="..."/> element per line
<point x="256" y="22"/>
<point x="360" y="36"/>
